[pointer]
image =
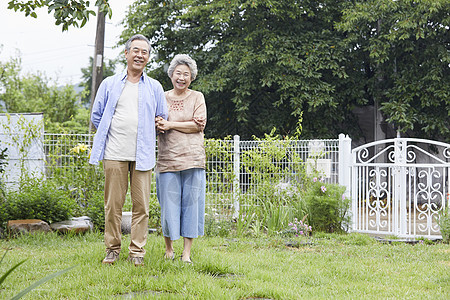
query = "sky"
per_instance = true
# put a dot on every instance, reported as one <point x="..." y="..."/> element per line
<point x="44" y="47"/>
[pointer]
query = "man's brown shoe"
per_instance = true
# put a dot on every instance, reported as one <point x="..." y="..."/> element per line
<point x="111" y="257"/>
<point x="137" y="261"/>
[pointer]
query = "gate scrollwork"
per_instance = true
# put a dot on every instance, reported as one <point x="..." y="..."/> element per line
<point x="378" y="203"/>
<point x="429" y="199"/>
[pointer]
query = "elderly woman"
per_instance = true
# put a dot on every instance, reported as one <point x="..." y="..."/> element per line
<point x="180" y="168"/>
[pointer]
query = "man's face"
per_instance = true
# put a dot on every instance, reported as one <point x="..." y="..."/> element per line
<point x="137" y="56"/>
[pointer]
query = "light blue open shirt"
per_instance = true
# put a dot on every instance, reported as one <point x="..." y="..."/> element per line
<point x="152" y="103"/>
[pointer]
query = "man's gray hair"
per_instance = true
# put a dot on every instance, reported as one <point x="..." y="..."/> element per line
<point x="137" y="37"/>
<point x="183" y="59"/>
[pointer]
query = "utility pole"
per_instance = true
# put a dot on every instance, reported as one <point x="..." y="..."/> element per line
<point x="378" y="133"/>
<point x="97" y="67"/>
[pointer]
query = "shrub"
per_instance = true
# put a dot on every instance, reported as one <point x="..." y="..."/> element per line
<point x="327" y="207"/>
<point x="95" y="209"/>
<point x="444" y="224"/>
<point x="37" y="200"/>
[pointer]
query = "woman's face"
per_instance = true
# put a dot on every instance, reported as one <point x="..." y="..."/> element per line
<point x="181" y="78"/>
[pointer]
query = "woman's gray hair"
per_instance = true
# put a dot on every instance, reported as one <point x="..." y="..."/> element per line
<point x="137" y="37"/>
<point x="183" y="59"/>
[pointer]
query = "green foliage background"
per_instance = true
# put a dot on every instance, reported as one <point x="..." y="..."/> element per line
<point x="35" y="92"/>
<point x="265" y="64"/>
<point x="262" y="63"/>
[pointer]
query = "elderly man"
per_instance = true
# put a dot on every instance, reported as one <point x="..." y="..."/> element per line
<point x="124" y="113"/>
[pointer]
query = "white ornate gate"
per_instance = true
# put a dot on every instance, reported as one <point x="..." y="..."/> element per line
<point x="399" y="186"/>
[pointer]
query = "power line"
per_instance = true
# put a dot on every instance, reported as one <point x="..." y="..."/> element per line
<point x="54" y="59"/>
<point x="52" y="50"/>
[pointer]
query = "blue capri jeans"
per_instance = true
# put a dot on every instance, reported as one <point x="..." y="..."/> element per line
<point x="181" y="196"/>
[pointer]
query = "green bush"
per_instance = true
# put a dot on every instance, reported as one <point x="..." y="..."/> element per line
<point x="444" y="224"/>
<point x="326" y="206"/>
<point x="37" y="200"/>
<point x="95" y="209"/>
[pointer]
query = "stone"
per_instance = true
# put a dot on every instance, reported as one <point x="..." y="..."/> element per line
<point x="86" y="219"/>
<point x="27" y="226"/>
<point x="75" y="225"/>
<point x="126" y="222"/>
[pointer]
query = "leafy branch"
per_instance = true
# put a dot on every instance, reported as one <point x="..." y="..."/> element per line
<point x="66" y="12"/>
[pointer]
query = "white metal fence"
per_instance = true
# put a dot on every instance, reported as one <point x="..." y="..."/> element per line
<point x="399" y="189"/>
<point x="230" y="177"/>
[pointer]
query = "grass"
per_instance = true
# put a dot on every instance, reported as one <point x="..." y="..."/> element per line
<point x="350" y="266"/>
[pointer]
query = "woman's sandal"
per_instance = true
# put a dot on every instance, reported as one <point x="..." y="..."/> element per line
<point x="171" y="257"/>
<point x="188" y="261"/>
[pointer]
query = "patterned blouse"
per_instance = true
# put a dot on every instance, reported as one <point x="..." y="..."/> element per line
<point x="178" y="151"/>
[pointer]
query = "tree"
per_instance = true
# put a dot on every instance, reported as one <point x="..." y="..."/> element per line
<point x="66" y="12"/>
<point x="109" y="68"/>
<point x="37" y="93"/>
<point x="403" y="46"/>
<point x="261" y="63"/>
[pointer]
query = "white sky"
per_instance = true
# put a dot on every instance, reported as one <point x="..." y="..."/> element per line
<point x="44" y="47"/>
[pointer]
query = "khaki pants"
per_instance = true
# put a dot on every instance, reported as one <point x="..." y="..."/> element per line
<point x="116" y="187"/>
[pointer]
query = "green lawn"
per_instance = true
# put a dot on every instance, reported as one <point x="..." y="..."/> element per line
<point x="350" y="266"/>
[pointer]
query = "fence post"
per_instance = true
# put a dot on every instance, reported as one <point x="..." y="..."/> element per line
<point x="345" y="160"/>
<point x="399" y="201"/>
<point x="236" y="177"/>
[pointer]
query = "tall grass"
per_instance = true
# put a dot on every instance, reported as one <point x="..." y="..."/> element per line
<point x="350" y="266"/>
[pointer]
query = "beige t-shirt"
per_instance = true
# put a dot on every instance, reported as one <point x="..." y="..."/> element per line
<point x="178" y="151"/>
<point x="122" y="134"/>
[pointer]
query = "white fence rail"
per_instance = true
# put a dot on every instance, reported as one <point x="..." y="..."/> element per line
<point x="228" y="181"/>
<point x="398" y="187"/>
